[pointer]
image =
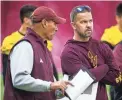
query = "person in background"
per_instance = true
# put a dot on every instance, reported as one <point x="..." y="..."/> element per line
<point x="84" y="51"/>
<point x="112" y="36"/>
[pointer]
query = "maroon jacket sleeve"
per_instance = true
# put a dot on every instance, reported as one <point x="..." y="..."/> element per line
<point x="113" y="73"/>
<point x="71" y="64"/>
<point x="100" y="72"/>
<point x="118" y="55"/>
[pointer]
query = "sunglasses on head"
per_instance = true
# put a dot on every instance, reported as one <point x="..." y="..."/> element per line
<point x="82" y="8"/>
<point x="79" y="9"/>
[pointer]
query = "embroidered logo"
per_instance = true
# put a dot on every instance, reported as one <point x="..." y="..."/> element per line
<point x="93" y="58"/>
<point x="119" y="78"/>
<point x="41" y="61"/>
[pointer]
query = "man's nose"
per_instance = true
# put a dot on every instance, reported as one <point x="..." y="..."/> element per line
<point x="89" y="24"/>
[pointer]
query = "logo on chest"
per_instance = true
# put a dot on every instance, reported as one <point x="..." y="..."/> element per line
<point x="41" y="61"/>
<point x="93" y="58"/>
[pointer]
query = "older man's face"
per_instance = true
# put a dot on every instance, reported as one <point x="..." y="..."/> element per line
<point x="50" y="30"/>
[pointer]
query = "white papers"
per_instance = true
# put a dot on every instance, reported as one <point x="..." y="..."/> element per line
<point x="90" y="93"/>
<point x="81" y="82"/>
<point x="66" y="77"/>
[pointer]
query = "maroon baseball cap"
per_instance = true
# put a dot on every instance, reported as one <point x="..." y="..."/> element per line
<point x="46" y="13"/>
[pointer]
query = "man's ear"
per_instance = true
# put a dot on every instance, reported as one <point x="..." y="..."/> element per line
<point x="73" y="25"/>
<point x="26" y="20"/>
<point x="44" y="23"/>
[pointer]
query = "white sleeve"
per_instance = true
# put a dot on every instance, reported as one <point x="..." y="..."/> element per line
<point x="21" y="65"/>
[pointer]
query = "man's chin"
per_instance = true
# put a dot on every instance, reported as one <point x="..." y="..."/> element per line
<point x="89" y="34"/>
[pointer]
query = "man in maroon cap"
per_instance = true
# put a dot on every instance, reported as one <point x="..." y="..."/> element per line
<point x="31" y="71"/>
<point x="84" y="51"/>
